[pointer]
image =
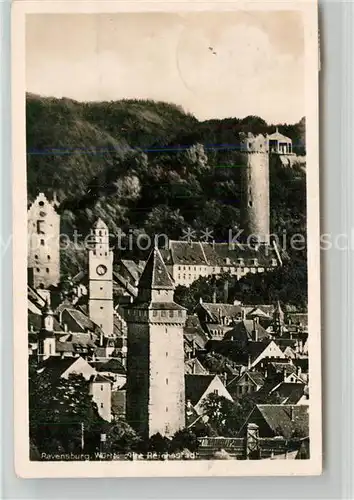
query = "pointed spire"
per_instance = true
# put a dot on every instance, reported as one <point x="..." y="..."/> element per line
<point x="100" y="224"/>
<point x="155" y="275"/>
<point x="279" y="309"/>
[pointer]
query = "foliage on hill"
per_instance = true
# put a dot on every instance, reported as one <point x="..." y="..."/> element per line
<point x="149" y="167"/>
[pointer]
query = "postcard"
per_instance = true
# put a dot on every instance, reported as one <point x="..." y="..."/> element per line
<point x="166" y="239"/>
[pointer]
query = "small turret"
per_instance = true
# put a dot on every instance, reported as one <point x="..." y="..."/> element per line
<point x="278" y="319"/>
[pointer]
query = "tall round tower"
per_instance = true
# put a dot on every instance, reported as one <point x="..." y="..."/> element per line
<point x="255" y="187"/>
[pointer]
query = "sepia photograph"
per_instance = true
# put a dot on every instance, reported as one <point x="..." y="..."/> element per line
<point x="172" y="274"/>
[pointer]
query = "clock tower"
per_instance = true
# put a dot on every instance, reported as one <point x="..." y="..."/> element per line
<point x="100" y="278"/>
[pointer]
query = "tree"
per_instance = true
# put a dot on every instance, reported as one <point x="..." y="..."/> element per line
<point x="62" y="414"/>
<point x="225" y="415"/>
<point x="185" y="439"/>
<point x="158" y="444"/>
<point x="121" y="438"/>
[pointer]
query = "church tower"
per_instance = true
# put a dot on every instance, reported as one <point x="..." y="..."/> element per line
<point x="101" y="278"/>
<point x="46" y="337"/>
<point x="43" y="223"/>
<point x="155" y="360"/>
<point x="255" y="204"/>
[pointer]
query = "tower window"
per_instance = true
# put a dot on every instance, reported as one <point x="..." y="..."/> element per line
<point x="154" y="313"/>
<point x="42" y="242"/>
<point x="48" y="257"/>
<point x="250" y="203"/>
<point x="167" y="381"/>
<point x="101" y="307"/>
<point x="41" y="203"/>
<point x="47" y="269"/>
<point x="40" y="226"/>
<point x="101" y="405"/>
<point x="36" y="256"/>
<point x="166" y="409"/>
<point x="163" y="314"/>
<point x="171" y="314"/>
<point x="38" y="270"/>
<point x="101" y="387"/>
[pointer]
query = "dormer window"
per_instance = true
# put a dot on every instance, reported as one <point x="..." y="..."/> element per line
<point x="255" y="262"/>
<point x="240" y="261"/>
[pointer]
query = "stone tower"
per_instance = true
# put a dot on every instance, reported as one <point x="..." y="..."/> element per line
<point x="43" y="250"/>
<point x="255" y="187"/>
<point x="101" y="278"/>
<point x="155" y="360"/>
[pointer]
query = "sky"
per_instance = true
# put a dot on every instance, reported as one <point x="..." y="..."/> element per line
<point x="214" y="65"/>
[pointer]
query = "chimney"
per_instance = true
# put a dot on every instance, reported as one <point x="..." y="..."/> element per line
<point x="65" y="327"/>
<point x="226" y="291"/>
<point x="298" y="371"/>
<point x="214" y="295"/>
<point x="249" y="361"/>
<point x="292" y="413"/>
<point x="225" y="378"/>
<point x="193" y="350"/>
<point x="243" y="313"/>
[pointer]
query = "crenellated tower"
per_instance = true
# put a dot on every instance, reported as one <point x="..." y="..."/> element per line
<point x="255" y="205"/>
<point x="43" y="250"/>
<point x="155" y="360"/>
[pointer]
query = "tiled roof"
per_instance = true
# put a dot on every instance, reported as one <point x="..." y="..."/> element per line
<point x="193" y="331"/>
<point x="100" y="378"/>
<point x="82" y="320"/>
<point x="215" y="310"/>
<point x="239" y="353"/>
<point x="286" y="420"/>
<point x="268" y="309"/>
<point x="112" y="365"/>
<point x="244" y="331"/>
<point x="56" y="365"/>
<point x="257" y="312"/>
<point x="155" y="275"/>
<point x="135" y="269"/>
<point x="194" y="367"/>
<point x="257" y="378"/>
<point x="196" y="385"/>
<point x="289" y="393"/>
<point x="185" y="253"/>
<point x="278" y="137"/>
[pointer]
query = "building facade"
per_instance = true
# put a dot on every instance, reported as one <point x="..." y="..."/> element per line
<point x="43" y="254"/>
<point x="101" y="279"/>
<point x="155" y="361"/>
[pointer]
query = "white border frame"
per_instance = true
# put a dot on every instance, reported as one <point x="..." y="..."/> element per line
<point x="26" y="468"/>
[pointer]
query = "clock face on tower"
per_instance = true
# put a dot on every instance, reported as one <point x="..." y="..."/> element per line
<point x="101" y="270"/>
